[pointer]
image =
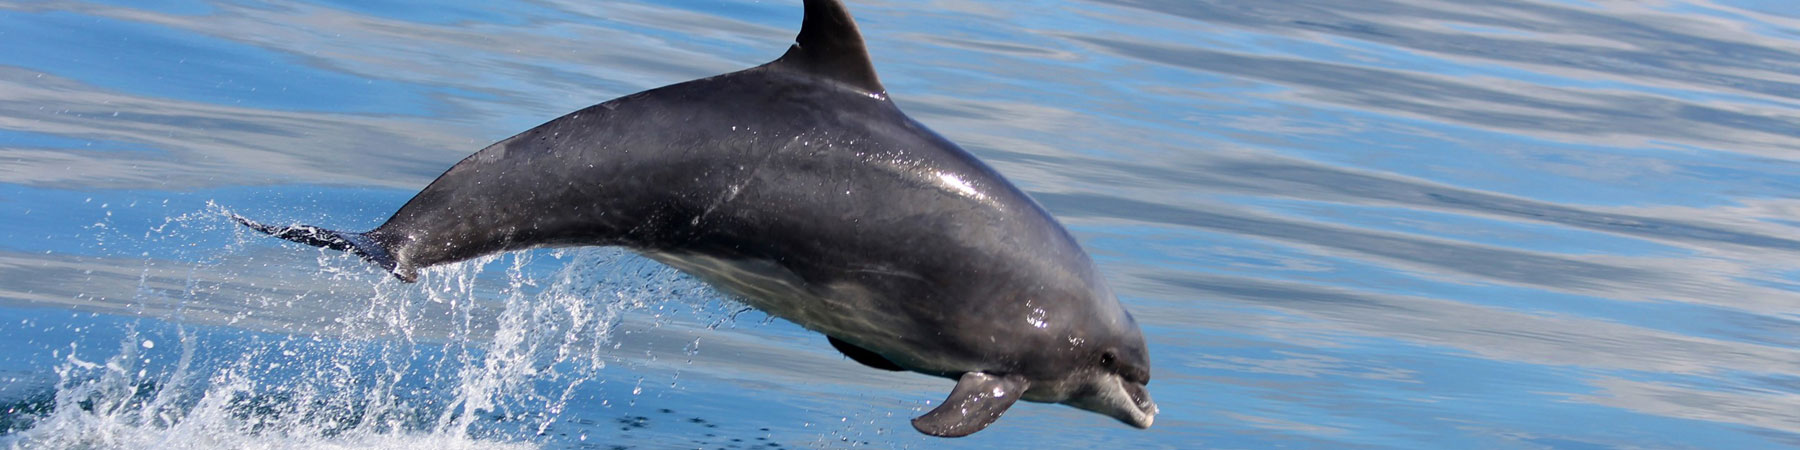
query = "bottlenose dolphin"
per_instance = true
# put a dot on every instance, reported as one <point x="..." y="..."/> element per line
<point x="800" y="188"/>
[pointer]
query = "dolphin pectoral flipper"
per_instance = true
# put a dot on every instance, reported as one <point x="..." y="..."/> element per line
<point x="863" y="355"/>
<point x="362" y="244"/>
<point x="977" y="401"/>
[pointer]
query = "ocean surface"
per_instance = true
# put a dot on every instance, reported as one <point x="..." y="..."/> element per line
<point x="1342" y="224"/>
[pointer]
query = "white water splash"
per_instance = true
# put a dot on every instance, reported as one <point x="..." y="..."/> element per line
<point x="455" y="361"/>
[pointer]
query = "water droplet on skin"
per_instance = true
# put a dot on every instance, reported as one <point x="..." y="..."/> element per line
<point x="1036" y="318"/>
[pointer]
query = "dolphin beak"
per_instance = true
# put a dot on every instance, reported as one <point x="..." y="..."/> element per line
<point x="1146" y="408"/>
<point x="1125" y="401"/>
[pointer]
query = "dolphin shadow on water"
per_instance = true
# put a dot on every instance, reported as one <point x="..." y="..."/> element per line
<point x="800" y="188"/>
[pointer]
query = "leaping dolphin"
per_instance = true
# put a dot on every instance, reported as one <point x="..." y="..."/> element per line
<point x="800" y="188"/>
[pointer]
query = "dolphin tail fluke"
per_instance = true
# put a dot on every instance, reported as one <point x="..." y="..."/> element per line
<point x="362" y="244"/>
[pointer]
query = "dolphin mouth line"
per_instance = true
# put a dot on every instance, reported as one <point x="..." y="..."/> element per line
<point x="1143" y="415"/>
<point x="1141" y="408"/>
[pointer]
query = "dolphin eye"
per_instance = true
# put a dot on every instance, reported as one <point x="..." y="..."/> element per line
<point x="1107" y="359"/>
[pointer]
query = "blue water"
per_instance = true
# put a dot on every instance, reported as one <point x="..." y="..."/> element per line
<point x="1342" y="224"/>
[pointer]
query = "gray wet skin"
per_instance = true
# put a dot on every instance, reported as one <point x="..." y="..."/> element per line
<point x="798" y="187"/>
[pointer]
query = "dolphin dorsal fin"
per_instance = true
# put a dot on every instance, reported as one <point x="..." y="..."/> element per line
<point x="830" y="46"/>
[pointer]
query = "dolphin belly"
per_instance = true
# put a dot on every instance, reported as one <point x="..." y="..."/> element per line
<point x="846" y="310"/>
<point x="764" y="284"/>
